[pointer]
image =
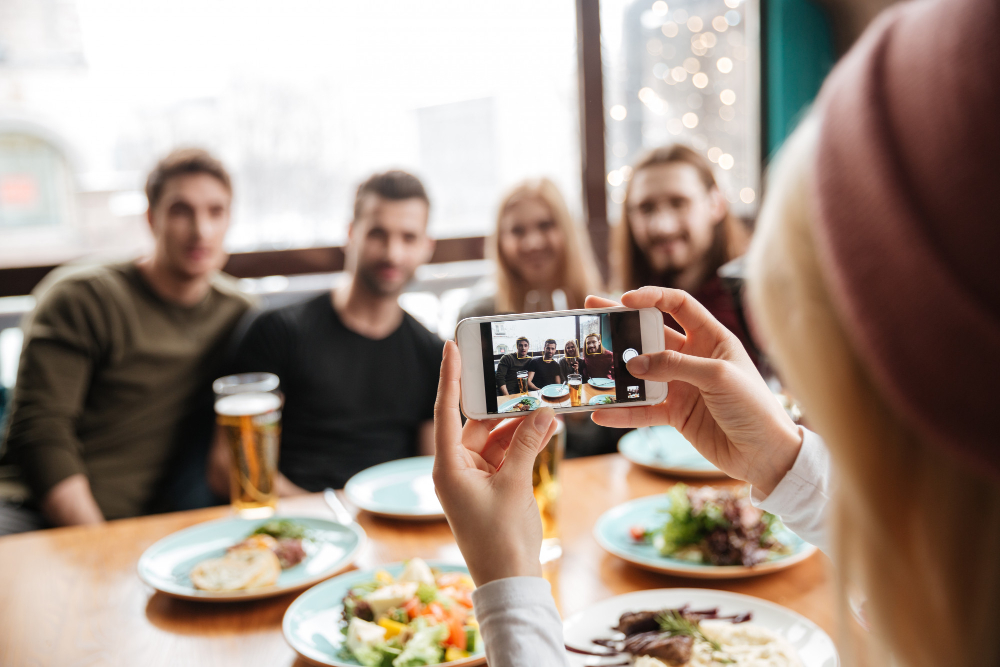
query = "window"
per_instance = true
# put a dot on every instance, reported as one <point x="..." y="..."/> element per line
<point x="683" y="71"/>
<point x="301" y="99"/>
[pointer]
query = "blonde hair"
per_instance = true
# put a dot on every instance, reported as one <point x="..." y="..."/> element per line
<point x="913" y="528"/>
<point x="578" y="274"/>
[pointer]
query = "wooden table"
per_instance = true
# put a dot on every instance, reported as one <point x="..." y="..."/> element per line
<point x="71" y="596"/>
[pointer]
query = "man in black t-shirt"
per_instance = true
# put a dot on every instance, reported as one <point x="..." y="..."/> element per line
<point x="358" y="373"/>
<point x="544" y="370"/>
<point x="509" y="365"/>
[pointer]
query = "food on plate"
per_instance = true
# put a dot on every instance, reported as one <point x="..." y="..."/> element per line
<point x="524" y="405"/>
<point x="714" y="526"/>
<point x="238" y="570"/>
<point x="602" y="400"/>
<point x="257" y="561"/>
<point x="695" y="638"/>
<point x="423" y="617"/>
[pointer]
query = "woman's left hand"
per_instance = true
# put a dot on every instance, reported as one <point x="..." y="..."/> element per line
<point x="483" y="479"/>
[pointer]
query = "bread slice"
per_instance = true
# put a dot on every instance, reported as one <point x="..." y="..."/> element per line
<point x="238" y="570"/>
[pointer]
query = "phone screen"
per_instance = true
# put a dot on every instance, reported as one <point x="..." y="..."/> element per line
<point x="560" y="362"/>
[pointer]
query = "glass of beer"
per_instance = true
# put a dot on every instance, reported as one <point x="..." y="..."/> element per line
<point x="248" y="414"/>
<point x="575" y="383"/>
<point x="545" y="481"/>
<point x="522" y="381"/>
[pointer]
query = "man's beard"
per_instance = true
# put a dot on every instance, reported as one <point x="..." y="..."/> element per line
<point x="374" y="285"/>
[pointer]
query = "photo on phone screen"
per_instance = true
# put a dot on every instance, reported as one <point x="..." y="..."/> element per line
<point x="560" y="362"/>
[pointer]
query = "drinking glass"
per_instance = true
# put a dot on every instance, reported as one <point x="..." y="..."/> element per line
<point x="522" y="381"/>
<point x="248" y="415"/>
<point x="545" y="480"/>
<point x="575" y="383"/>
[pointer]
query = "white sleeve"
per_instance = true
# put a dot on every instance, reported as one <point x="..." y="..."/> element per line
<point x="802" y="496"/>
<point x="519" y="623"/>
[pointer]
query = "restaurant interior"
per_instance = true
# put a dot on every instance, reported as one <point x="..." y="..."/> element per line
<point x="193" y="473"/>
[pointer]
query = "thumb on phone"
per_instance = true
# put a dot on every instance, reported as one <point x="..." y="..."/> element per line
<point x="530" y="437"/>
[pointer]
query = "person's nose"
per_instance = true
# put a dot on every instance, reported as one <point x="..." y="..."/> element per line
<point x="395" y="251"/>
<point x="533" y="240"/>
<point x="663" y="222"/>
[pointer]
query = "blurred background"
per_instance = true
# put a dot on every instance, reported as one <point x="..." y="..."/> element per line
<point x="303" y="99"/>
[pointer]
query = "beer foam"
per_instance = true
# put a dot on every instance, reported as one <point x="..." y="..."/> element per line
<point x="250" y="403"/>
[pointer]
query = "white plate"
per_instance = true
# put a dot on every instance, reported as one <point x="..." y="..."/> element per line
<point x="167" y="564"/>
<point x="664" y="450"/>
<point x="401" y="489"/>
<point x="815" y="648"/>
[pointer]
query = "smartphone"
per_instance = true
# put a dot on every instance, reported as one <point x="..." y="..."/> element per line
<point x="570" y="360"/>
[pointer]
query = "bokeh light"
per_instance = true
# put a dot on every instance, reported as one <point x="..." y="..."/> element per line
<point x="714" y="153"/>
<point x="700" y="80"/>
<point x="669" y="29"/>
<point x="725" y="65"/>
<point x="655" y="47"/>
<point x="618" y="112"/>
<point x="727" y="113"/>
<point x="708" y="39"/>
<point x="732" y="4"/>
<point x="679" y="74"/>
<point x="727" y="96"/>
<point x="726" y="161"/>
<point x="660" y="8"/>
<point x="747" y="195"/>
<point x="695" y="24"/>
<point x="719" y="23"/>
<point x="692" y="65"/>
<point x="690" y="120"/>
<point x="615" y="178"/>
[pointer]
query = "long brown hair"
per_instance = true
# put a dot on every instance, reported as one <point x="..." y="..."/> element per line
<point x="578" y="274"/>
<point x="731" y="237"/>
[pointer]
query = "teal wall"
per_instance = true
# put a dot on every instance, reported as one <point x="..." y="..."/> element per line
<point x="800" y="53"/>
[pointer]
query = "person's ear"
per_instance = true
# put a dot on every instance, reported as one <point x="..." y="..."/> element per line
<point x="149" y="220"/>
<point x="429" y="250"/>
<point x="717" y="204"/>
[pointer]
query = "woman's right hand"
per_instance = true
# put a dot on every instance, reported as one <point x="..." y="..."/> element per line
<point x="716" y="397"/>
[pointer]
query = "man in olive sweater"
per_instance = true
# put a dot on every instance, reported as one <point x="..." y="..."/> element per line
<point x="114" y="383"/>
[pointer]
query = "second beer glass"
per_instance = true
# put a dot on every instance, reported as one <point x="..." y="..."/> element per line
<point x="575" y="383"/>
<point x="248" y="413"/>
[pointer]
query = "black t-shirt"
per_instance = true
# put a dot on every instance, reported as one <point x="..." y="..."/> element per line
<point x="350" y="402"/>
<point x="545" y="371"/>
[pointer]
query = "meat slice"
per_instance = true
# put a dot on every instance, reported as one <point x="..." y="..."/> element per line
<point x="634" y="622"/>
<point x="671" y="649"/>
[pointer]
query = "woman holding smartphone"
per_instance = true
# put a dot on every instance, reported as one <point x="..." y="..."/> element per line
<point x="873" y="252"/>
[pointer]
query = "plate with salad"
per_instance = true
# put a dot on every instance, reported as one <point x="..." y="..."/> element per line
<point x="702" y="532"/>
<point x="523" y="404"/>
<point x="407" y="614"/>
<point x="249" y="559"/>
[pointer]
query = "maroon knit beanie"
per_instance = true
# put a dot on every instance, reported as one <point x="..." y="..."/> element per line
<point x="907" y="184"/>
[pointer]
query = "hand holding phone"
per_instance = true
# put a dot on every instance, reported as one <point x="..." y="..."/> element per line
<point x="497" y="525"/>
<point x="571" y="361"/>
<point x="718" y="400"/>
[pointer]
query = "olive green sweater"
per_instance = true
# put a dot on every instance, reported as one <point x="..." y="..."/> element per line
<point x="109" y="376"/>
